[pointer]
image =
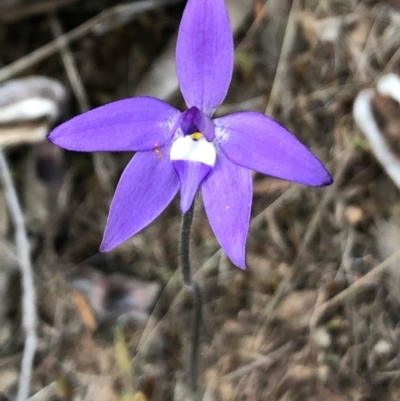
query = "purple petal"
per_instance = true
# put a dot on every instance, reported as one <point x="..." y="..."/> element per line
<point x="141" y="123"/>
<point x="147" y="186"/>
<point x="204" y="54"/>
<point x="191" y="175"/>
<point x="255" y="141"/>
<point x="227" y="195"/>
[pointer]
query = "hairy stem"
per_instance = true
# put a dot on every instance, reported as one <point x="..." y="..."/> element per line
<point x="193" y="287"/>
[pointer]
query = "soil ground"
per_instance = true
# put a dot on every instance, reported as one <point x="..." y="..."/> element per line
<point x="304" y="322"/>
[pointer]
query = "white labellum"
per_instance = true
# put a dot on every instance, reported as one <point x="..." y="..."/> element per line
<point x="185" y="148"/>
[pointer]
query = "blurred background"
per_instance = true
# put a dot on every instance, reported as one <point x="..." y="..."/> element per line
<point x="316" y="315"/>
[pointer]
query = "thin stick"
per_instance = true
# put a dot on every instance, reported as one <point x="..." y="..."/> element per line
<point x="29" y="313"/>
<point x="291" y="280"/>
<point x="281" y="70"/>
<point x="69" y="63"/>
<point x="80" y="93"/>
<point x="190" y="284"/>
<point x="355" y="288"/>
<point x="14" y="13"/>
<point x="91" y="25"/>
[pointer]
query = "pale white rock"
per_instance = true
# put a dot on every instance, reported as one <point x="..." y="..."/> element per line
<point x="321" y="338"/>
<point x="364" y="118"/>
<point x="28" y="108"/>
<point x="29" y="98"/>
<point x="389" y="85"/>
<point x="383" y="348"/>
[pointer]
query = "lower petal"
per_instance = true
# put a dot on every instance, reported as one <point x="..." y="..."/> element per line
<point x="255" y="141"/>
<point x="227" y="195"/>
<point x="191" y="175"/>
<point x="147" y="186"/>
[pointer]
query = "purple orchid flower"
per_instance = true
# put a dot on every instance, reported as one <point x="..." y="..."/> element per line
<point x="188" y="150"/>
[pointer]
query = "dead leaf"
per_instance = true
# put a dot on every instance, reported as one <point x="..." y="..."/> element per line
<point x="296" y="310"/>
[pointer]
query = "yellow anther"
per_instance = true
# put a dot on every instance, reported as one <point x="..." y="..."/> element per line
<point x="196" y="136"/>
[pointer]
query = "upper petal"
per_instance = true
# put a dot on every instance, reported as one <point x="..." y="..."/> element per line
<point x="204" y="54"/>
<point x="139" y="123"/>
<point x="147" y="186"/>
<point x="227" y="196"/>
<point x="255" y="141"/>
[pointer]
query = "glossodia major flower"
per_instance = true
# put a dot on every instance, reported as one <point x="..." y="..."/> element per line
<point x="189" y="150"/>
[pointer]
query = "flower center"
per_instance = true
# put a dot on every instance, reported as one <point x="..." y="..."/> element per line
<point x="193" y="158"/>
<point x="195" y="124"/>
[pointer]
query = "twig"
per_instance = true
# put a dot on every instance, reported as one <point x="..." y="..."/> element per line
<point x="346" y="159"/>
<point x="152" y="326"/>
<point x="4" y="282"/>
<point x="29" y="313"/>
<point x="69" y="63"/>
<point x="91" y="25"/>
<point x="13" y="12"/>
<point x="46" y="393"/>
<point x="355" y="288"/>
<point x="255" y="223"/>
<point x="281" y="71"/>
<point x="99" y="159"/>
<point x="260" y="18"/>
<point x="310" y="232"/>
<point x="266" y="361"/>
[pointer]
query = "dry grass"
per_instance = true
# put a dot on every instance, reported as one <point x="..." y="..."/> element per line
<point x="316" y="315"/>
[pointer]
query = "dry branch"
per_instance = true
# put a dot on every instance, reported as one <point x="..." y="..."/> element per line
<point x="29" y="313"/>
<point x="91" y="25"/>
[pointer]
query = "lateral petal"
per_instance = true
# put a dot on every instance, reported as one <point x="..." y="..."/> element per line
<point x="139" y="124"/>
<point x="204" y="54"/>
<point x="255" y="141"/>
<point x="147" y="185"/>
<point x="227" y="196"/>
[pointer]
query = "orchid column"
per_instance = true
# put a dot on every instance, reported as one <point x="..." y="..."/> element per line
<point x="189" y="150"/>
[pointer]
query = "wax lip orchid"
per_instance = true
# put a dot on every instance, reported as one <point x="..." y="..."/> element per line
<point x="189" y="150"/>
